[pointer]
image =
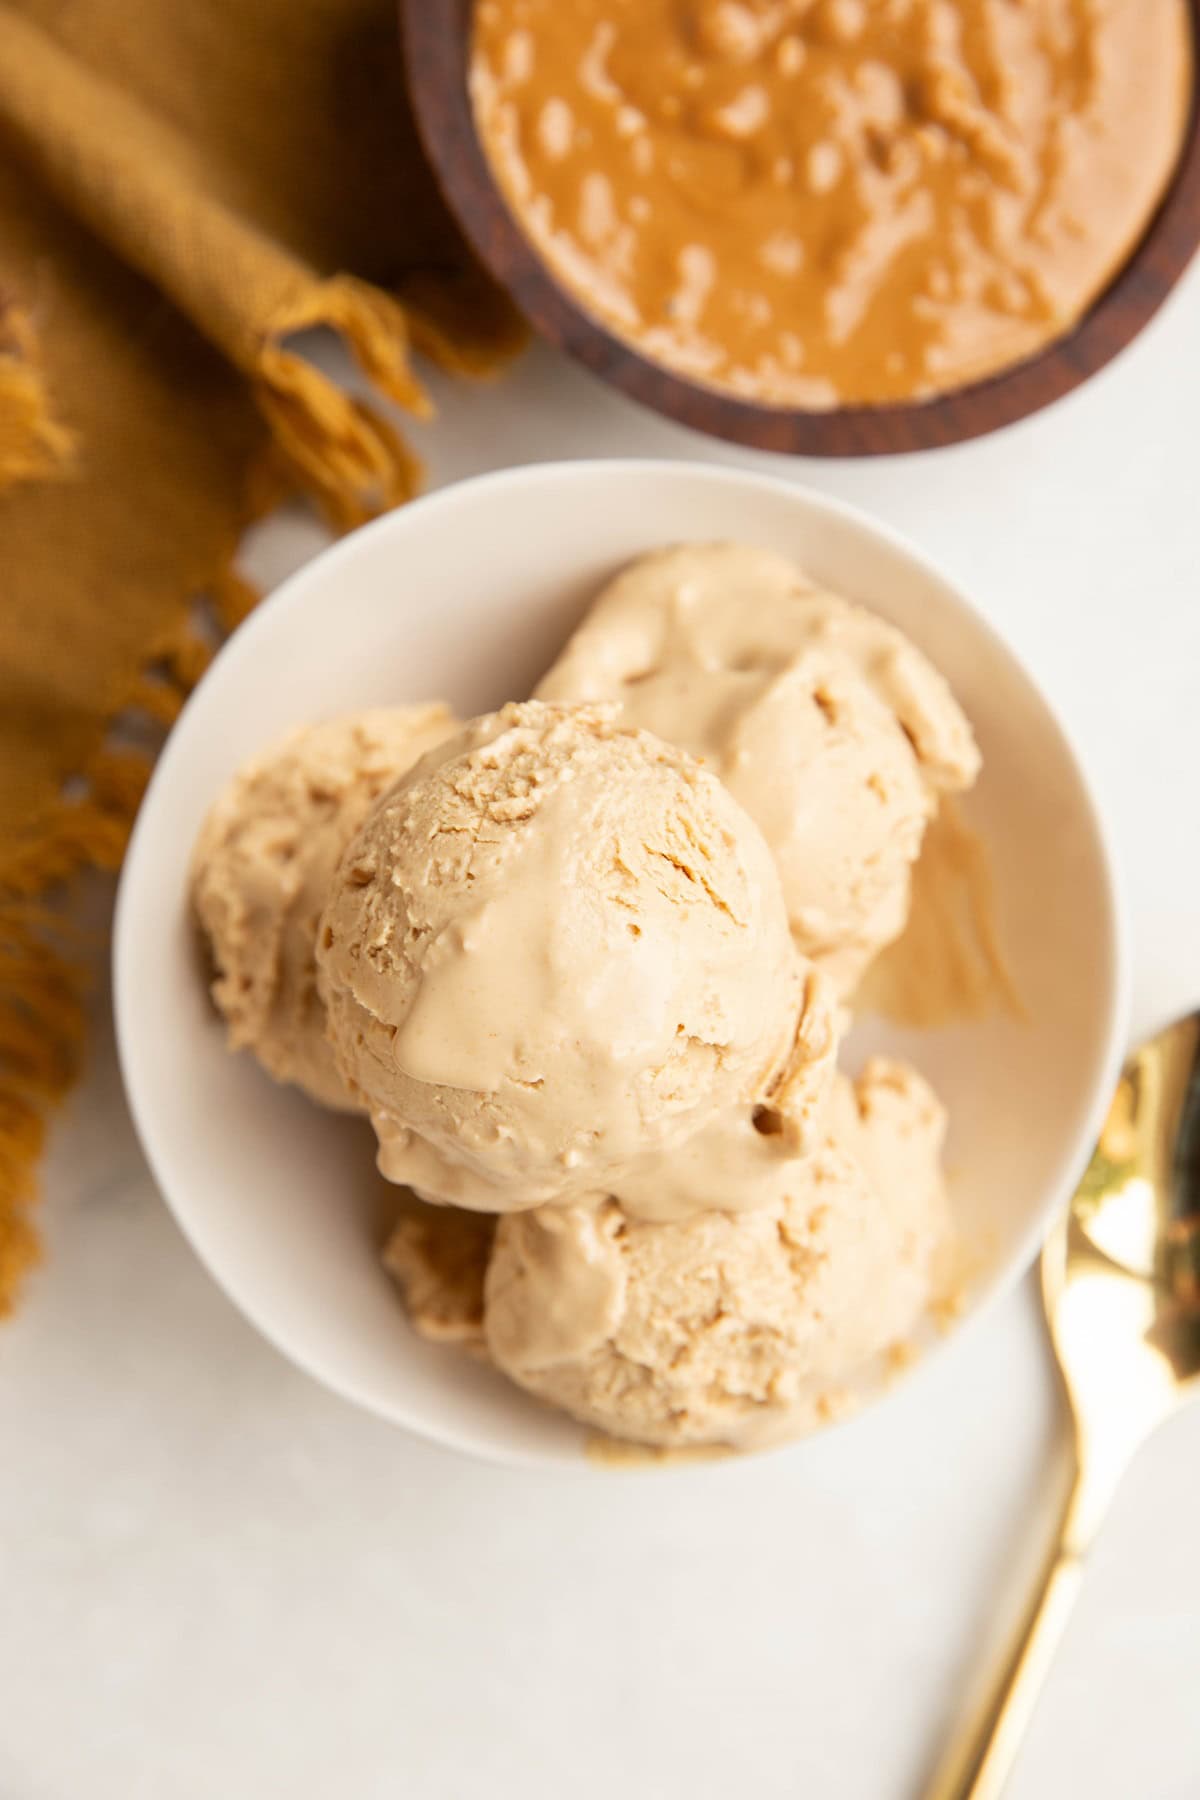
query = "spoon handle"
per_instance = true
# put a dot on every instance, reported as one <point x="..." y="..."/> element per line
<point x="981" y="1759"/>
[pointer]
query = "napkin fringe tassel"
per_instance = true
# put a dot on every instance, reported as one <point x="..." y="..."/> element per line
<point x="34" y="444"/>
<point x="43" y="979"/>
<point x="329" y="446"/>
<point x="340" y="449"/>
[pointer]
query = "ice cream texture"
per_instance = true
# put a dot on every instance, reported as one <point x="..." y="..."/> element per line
<point x="555" y="951"/>
<point x="833" y="731"/>
<point x="261" y="873"/>
<point x="438" y="1257"/>
<point x="585" y="963"/>
<point x="724" y="1328"/>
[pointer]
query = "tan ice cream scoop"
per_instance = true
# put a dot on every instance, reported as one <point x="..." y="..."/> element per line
<point x="261" y="871"/>
<point x="832" y="730"/>
<point x="555" y="950"/>
<point x="438" y="1257"/>
<point x="733" y="1328"/>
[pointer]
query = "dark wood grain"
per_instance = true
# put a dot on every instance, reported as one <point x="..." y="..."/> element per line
<point x="436" y="38"/>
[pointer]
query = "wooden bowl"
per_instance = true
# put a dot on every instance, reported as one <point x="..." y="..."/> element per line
<point x="437" y="37"/>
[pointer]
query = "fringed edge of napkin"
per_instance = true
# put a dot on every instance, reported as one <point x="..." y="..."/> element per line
<point x="43" y="985"/>
<point x="329" y="446"/>
<point x="341" y="450"/>
<point x="34" y="444"/>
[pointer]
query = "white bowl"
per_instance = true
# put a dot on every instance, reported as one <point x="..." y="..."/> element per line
<point x="467" y="595"/>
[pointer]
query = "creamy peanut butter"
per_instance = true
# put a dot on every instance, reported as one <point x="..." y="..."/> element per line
<point x="818" y="202"/>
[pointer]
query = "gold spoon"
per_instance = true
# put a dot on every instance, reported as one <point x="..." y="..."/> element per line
<point x="1121" y="1286"/>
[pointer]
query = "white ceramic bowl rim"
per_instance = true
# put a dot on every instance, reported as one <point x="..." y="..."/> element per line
<point x="323" y="574"/>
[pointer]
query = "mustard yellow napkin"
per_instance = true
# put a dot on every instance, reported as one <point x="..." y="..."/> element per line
<point x="184" y="184"/>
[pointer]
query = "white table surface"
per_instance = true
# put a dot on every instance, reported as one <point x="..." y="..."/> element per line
<point x="217" y="1582"/>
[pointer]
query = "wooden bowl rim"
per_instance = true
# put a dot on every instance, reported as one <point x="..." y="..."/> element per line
<point x="435" y="39"/>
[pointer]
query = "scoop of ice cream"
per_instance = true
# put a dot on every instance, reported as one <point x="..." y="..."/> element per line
<point x="729" y="1159"/>
<point x="728" y="1328"/>
<point x="832" y="730"/>
<point x="894" y="1125"/>
<point x="438" y="1256"/>
<point x="261" y="873"/>
<point x="556" y="949"/>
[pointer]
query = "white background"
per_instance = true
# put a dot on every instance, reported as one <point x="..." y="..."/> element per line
<point x="217" y="1582"/>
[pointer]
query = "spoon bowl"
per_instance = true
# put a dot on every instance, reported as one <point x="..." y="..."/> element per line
<point x="1121" y="1288"/>
<point x="1119" y="1271"/>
